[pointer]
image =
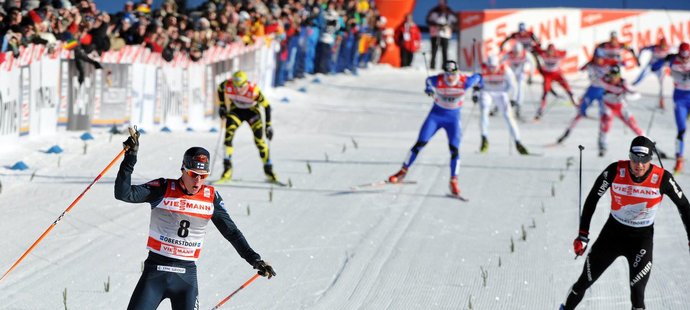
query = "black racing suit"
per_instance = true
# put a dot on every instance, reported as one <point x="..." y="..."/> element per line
<point x="166" y="277"/>
<point x="616" y="239"/>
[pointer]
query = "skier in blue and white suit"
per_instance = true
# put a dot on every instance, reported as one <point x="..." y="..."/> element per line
<point x="680" y="73"/>
<point x="659" y="53"/>
<point x="448" y="90"/>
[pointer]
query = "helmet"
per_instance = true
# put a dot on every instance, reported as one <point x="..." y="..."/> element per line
<point x="521" y="26"/>
<point x="684" y="50"/>
<point x="450" y="66"/>
<point x="518" y="48"/>
<point x="641" y="149"/>
<point x="492" y="61"/>
<point x="613" y="34"/>
<point x="197" y="158"/>
<point x="550" y="47"/>
<point x="239" y="78"/>
<point x="615" y="70"/>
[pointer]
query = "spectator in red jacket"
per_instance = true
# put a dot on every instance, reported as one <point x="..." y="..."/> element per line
<point x="409" y="38"/>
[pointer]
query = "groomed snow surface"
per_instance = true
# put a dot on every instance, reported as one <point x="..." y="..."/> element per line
<point x="391" y="247"/>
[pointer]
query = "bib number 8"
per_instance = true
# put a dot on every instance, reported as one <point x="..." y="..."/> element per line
<point x="183" y="231"/>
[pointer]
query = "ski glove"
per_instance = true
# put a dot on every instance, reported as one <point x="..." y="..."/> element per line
<point x="132" y="142"/>
<point x="269" y="131"/>
<point x="222" y="111"/>
<point x="475" y="94"/>
<point x="264" y="270"/>
<point x="429" y="93"/>
<point x="580" y="243"/>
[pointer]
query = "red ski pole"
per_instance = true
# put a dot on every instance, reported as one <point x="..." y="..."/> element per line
<point x="45" y="233"/>
<point x="235" y="292"/>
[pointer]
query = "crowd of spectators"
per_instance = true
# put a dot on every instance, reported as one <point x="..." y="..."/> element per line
<point x="324" y="36"/>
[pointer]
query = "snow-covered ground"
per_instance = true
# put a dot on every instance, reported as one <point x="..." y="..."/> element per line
<point x="394" y="247"/>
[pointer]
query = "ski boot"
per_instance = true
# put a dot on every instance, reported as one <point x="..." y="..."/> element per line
<point x="564" y="136"/>
<point x="540" y="113"/>
<point x="227" y="171"/>
<point x="493" y="111"/>
<point x="270" y="175"/>
<point x="454" y="187"/>
<point x="516" y="110"/>
<point x="679" y="165"/>
<point x="485" y="145"/>
<point x="398" y="176"/>
<point x="521" y="148"/>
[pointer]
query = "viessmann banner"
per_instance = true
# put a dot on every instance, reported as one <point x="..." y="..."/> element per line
<point x="577" y="31"/>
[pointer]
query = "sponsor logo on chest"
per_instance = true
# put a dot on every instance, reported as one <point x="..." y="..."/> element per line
<point x="187" y="206"/>
<point x="636" y="191"/>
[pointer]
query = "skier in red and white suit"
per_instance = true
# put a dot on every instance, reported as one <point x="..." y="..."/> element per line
<point x="614" y="49"/>
<point x="615" y="91"/>
<point x="549" y="65"/>
<point x="181" y="210"/>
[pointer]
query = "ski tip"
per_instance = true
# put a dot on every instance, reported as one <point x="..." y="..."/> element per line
<point x="458" y="197"/>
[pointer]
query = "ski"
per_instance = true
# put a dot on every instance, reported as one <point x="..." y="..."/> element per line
<point x="235" y="181"/>
<point x="459" y="197"/>
<point x="380" y="184"/>
<point x="552" y="145"/>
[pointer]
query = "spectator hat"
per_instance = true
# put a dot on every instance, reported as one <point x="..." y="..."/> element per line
<point x="244" y="16"/>
<point x="641" y="149"/>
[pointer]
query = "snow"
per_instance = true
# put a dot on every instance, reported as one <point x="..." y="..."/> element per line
<point x="391" y="247"/>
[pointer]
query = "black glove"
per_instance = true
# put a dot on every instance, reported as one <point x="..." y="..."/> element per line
<point x="269" y="131"/>
<point x="222" y="111"/>
<point x="132" y="142"/>
<point x="580" y="243"/>
<point x="475" y="94"/>
<point x="513" y="103"/>
<point x="264" y="270"/>
<point x="529" y="80"/>
<point x="429" y="93"/>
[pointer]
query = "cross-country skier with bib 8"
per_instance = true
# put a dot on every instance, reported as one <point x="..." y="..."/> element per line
<point x="447" y="90"/>
<point x="637" y="187"/>
<point x="180" y="211"/>
<point x="240" y="101"/>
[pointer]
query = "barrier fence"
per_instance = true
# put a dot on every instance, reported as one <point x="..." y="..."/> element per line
<point x="575" y="30"/>
<point x="40" y="90"/>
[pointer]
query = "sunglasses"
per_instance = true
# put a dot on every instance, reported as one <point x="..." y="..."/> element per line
<point x="193" y="174"/>
<point x="639" y="159"/>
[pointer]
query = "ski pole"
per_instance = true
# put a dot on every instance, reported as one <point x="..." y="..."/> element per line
<point x="658" y="156"/>
<point x="474" y="70"/>
<point x="235" y="292"/>
<point x="45" y="233"/>
<point x="579" y="203"/>
<point x="220" y="136"/>
<point x="426" y="66"/>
